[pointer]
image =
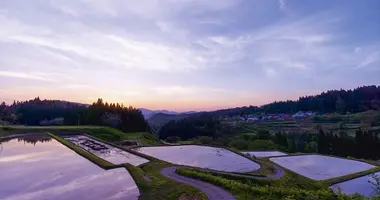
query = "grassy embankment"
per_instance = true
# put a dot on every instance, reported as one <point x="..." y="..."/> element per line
<point x="147" y="176"/>
<point x="285" y="188"/>
<point x="351" y="176"/>
<point x="160" y="187"/>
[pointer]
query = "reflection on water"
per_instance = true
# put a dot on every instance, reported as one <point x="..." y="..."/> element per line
<point x="105" y="151"/>
<point x="33" y="169"/>
<point x="361" y="185"/>
<point x="202" y="156"/>
<point x="31" y="139"/>
<point x="320" y="167"/>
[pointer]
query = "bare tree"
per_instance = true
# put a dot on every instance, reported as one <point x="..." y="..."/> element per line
<point x="375" y="182"/>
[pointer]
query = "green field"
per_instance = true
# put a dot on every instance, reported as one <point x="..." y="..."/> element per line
<point x="105" y="133"/>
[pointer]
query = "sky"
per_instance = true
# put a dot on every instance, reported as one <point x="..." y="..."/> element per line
<point x="186" y="54"/>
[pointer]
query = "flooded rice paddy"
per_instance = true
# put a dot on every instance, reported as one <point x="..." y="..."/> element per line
<point x="264" y="154"/>
<point x="202" y="156"/>
<point x="105" y="151"/>
<point x="38" y="167"/>
<point x="361" y="185"/>
<point x="320" y="167"/>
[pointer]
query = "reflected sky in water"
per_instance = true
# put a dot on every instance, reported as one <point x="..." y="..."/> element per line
<point x="359" y="185"/>
<point x="202" y="156"/>
<point x="109" y="153"/>
<point x="320" y="167"/>
<point x="46" y="169"/>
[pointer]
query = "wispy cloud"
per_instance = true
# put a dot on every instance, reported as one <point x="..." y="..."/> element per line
<point x="281" y="4"/>
<point x="32" y="76"/>
<point x="149" y="49"/>
<point x="370" y="59"/>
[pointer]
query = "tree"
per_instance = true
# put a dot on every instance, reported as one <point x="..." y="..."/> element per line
<point x="322" y="141"/>
<point x="375" y="182"/>
<point x="311" y="147"/>
<point x="340" y="105"/>
<point x="292" y="147"/>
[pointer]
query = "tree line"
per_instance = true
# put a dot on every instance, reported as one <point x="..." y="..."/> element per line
<point x="341" y="101"/>
<point x="40" y="112"/>
<point x="365" y="144"/>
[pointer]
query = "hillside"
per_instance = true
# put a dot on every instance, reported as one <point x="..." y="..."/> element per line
<point x="357" y="100"/>
<point x="149" y="113"/>
<point x="159" y="119"/>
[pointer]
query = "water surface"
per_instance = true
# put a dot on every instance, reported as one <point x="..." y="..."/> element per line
<point x="202" y="156"/>
<point x="38" y="167"/>
<point x="359" y="185"/>
<point x="105" y="151"/>
<point x="264" y="154"/>
<point x="320" y="167"/>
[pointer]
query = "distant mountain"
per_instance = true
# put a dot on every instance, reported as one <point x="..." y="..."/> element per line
<point x="148" y="113"/>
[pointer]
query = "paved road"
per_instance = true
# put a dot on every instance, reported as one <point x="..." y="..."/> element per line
<point x="213" y="192"/>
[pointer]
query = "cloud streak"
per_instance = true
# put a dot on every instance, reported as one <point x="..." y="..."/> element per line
<point x="31" y="76"/>
<point x="135" y="50"/>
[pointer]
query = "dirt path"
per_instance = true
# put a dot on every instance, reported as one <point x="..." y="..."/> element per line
<point x="213" y="192"/>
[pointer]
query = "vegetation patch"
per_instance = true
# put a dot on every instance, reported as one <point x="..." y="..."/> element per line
<point x="160" y="187"/>
<point x="249" y="190"/>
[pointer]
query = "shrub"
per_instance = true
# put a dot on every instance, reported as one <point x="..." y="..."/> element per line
<point x="263" y="134"/>
<point x="173" y="139"/>
<point x="263" y="145"/>
<point x="311" y="147"/>
<point x="204" y="140"/>
<point x="221" y="142"/>
<point x="239" y="144"/>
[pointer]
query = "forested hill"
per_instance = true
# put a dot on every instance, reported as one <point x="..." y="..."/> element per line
<point x="341" y="101"/>
<point x="55" y="112"/>
<point x="34" y="111"/>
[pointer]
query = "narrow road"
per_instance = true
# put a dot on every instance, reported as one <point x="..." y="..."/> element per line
<point x="213" y="192"/>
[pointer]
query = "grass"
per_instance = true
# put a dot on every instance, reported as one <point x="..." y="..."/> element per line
<point x="93" y="158"/>
<point x="255" y="190"/>
<point x="160" y="187"/>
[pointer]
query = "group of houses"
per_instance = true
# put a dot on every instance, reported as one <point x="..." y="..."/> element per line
<point x="280" y="116"/>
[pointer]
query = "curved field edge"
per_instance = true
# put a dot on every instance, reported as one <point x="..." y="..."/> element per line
<point x="154" y="186"/>
<point x="339" y="179"/>
<point x="266" y="170"/>
<point x="348" y="177"/>
<point x="261" y="190"/>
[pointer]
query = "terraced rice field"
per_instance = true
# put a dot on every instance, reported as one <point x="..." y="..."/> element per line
<point x="202" y="156"/>
<point x="105" y="151"/>
<point x="361" y="185"/>
<point x="320" y="167"/>
<point x="39" y="167"/>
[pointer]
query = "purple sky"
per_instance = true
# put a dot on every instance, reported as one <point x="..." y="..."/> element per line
<point x="186" y="54"/>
